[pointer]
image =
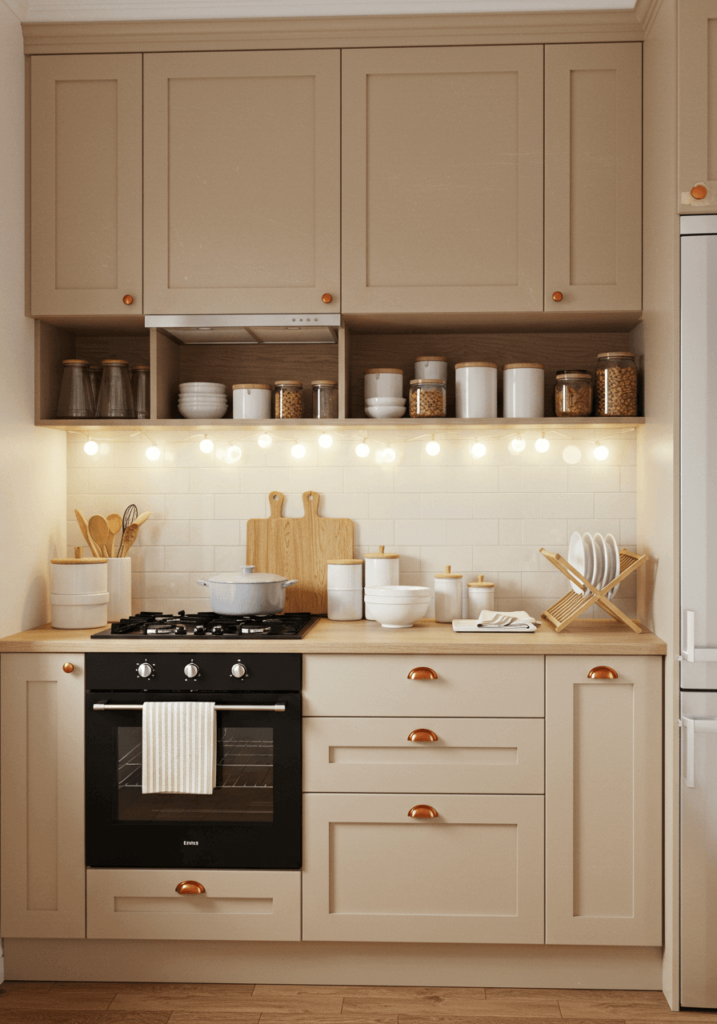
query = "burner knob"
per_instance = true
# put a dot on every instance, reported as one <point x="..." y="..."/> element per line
<point x="180" y="631"/>
<point x="238" y="670"/>
<point x="144" y="671"/>
<point x="199" y="630"/>
<point x="191" y="671"/>
<point x="217" y="630"/>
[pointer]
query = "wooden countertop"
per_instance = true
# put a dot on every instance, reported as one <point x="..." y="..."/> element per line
<point x="591" y="636"/>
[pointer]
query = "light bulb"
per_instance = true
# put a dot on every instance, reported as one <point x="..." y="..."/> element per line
<point x="389" y="455"/>
<point x="517" y="444"/>
<point x="362" y="450"/>
<point x="601" y="452"/>
<point x="433" y="448"/>
<point x="206" y="446"/>
<point x="233" y="453"/>
<point x="478" y="450"/>
<point x="264" y="440"/>
<point x="572" y="454"/>
<point x="298" y="451"/>
<point x="542" y="444"/>
<point x="153" y="453"/>
<point x="326" y="440"/>
<point x="91" y="447"/>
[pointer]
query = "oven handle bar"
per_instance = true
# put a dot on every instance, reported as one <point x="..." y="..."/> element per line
<point x="217" y="707"/>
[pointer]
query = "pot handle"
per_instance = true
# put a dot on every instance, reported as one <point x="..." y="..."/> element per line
<point x="288" y="583"/>
<point x="203" y="583"/>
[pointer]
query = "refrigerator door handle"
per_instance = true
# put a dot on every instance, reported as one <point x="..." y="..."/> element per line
<point x="693" y="725"/>
<point x="689" y="651"/>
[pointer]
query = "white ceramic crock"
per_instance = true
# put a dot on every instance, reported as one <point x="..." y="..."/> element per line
<point x="382" y="570"/>
<point x="431" y="368"/>
<point x="481" y="597"/>
<point x="381" y="382"/>
<point x="523" y="390"/>
<point x="449" y="596"/>
<point x="251" y="402"/>
<point x="79" y="611"/>
<point x="344" y="589"/>
<point x="247" y="593"/>
<point x="119" y="585"/>
<point x="476" y="390"/>
<point x="78" y="575"/>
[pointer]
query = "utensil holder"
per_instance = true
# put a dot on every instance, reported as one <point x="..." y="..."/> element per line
<point x="572" y="605"/>
<point x="119" y="585"/>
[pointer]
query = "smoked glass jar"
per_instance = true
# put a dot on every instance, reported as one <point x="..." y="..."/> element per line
<point x="95" y="373"/>
<point x="288" y="403"/>
<point x="616" y="384"/>
<point x="140" y="391"/>
<point x="573" y="393"/>
<point x="326" y="399"/>
<point x="115" y="399"/>
<point x="427" y="398"/>
<point x="76" y="401"/>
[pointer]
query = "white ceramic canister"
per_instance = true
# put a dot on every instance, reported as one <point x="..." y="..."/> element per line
<point x="119" y="585"/>
<point x="523" y="390"/>
<point x="251" y="401"/>
<point x="382" y="382"/>
<point x="344" y="589"/>
<point x="476" y="390"/>
<point x="481" y="597"/>
<point x="449" y="595"/>
<point x="79" y="595"/>
<point x="431" y="368"/>
<point x="382" y="570"/>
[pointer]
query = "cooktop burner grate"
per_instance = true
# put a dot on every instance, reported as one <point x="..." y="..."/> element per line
<point x="208" y="626"/>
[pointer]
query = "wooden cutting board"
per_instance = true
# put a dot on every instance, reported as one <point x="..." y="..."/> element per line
<point x="299" y="549"/>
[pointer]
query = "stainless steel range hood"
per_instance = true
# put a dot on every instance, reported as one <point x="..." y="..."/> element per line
<point x="251" y="329"/>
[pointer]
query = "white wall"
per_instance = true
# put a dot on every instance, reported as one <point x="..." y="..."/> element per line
<point x="32" y="459"/>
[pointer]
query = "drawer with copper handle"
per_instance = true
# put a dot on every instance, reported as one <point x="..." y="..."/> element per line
<point x="444" y="685"/>
<point x="440" y="755"/>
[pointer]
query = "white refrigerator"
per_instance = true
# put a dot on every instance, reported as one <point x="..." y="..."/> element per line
<point x="698" y="598"/>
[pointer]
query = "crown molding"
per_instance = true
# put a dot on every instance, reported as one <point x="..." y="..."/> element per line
<point x="338" y="31"/>
<point x="20" y="8"/>
<point x="646" y="12"/>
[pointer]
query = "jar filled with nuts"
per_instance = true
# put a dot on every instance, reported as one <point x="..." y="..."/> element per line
<point x="288" y="404"/>
<point x="427" y="398"/>
<point x="573" y="393"/>
<point x="616" y="384"/>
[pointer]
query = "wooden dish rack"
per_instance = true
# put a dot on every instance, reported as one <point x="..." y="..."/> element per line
<point x="572" y="605"/>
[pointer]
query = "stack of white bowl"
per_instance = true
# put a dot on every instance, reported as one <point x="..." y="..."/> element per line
<point x="199" y="400"/>
<point x="397" y="607"/>
<point x="391" y="408"/>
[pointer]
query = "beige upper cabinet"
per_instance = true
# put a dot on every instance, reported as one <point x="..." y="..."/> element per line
<point x="697" y="99"/>
<point x="603" y="801"/>
<point x="593" y="171"/>
<point x="242" y="169"/>
<point x="442" y="184"/>
<point x="86" y="184"/>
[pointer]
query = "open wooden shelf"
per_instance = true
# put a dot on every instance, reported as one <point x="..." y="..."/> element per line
<point x="547" y="423"/>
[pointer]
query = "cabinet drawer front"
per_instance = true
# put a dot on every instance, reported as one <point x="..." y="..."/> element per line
<point x="132" y="904"/>
<point x="376" y="755"/>
<point x="474" y="873"/>
<point x="466" y="685"/>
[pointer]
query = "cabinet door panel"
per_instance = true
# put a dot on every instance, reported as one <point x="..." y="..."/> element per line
<point x="86" y="184"/>
<point x="697" y="99"/>
<point x="442" y="179"/>
<point x="43" y="805"/>
<point x="593" y="172"/>
<point x="603" y="802"/>
<point x="242" y="156"/>
<point x="373" y="874"/>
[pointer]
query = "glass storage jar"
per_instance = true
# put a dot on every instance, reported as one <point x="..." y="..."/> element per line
<point x="616" y="384"/>
<point x="140" y="391"/>
<point x="115" y="399"/>
<point x="75" y="400"/>
<point x="326" y="399"/>
<point x="288" y="403"/>
<point x="427" y="398"/>
<point x="573" y="393"/>
<point x="95" y="373"/>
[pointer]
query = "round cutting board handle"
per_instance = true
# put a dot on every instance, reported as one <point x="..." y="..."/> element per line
<point x="311" y="503"/>
<point x="276" y="504"/>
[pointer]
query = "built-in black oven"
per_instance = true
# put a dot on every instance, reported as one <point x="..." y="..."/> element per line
<point x="252" y="819"/>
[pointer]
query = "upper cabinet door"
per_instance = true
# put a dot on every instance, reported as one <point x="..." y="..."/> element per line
<point x="86" y="181"/>
<point x="593" y="176"/>
<point x="442" y="179"/>
<point x="242" y="166"/>
<point x="697" y="119"/>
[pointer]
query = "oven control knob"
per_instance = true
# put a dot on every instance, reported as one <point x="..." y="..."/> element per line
<point x="191" y="671"/>
<point x="238" y="670"/>
<point x="144" y="671"/>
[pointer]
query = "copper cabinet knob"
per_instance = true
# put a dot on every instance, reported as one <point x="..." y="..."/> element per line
<point x="698" y="192"/>
<point x="422" y="673"/>
<point x="327" y="298"/>
<point x="68" y="667"/>
<point x="422" y="736"/>
<point x="557" y="296"/>
<point x="423" y="811"/>
<point x="190" y="888"/>
<point x="602" y="672"/>
<point x="128" y="300"/>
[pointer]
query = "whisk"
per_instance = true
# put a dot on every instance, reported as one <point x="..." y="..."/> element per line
<point x="130" y="514"/>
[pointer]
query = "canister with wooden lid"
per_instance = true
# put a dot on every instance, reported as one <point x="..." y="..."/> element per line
<point x="431" y="368"/>
<point x="79" y="595"/>
<point x="448" y="588"/>
<point x="523" y="390"/>
<point x="383" y="382"/>
<point x="481" y="597"/>
<point x="344" y="589"/>
<point x="476" y="390"/>
<point x="251" y="401"/>
<point x="382" y="569"/>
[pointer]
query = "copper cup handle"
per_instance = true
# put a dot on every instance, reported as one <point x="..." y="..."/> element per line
<point x="422" y="673"/>
<point x="422" y="736"/>
<point x="602" y="672"/>
<point x="423" y="811"/>
<point x="190" y="889"/>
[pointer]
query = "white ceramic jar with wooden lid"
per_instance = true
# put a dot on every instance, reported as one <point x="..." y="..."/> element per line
<point x="383" y="382"/>
<point x="481" y="597"/>
<point x="251" y="401"/>
<point x="476" y="390"/>
<point x="344" y="589"/>
<point x="382" y="570"/>
<point x="79" y="595"/>
<point x="431" y="368"/>
<point x="448" y="588"/>
<point x="523" y="390"/>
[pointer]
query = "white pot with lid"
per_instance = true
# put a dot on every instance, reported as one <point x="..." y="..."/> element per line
<point x="246" y="592"/>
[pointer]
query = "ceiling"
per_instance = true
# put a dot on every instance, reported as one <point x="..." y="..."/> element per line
<point x="138" y="10"/>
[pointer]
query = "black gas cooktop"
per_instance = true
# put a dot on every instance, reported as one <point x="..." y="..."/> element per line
<point x="208" y="626"/>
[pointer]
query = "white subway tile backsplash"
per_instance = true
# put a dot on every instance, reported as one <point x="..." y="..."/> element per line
<point x="474" y="531"/>
<point x="628" y="478"/>
<point x="239" y="506"/>
<point x="565" y="506"/>
<point x="545" y="532"/>
<point x="214" y="531"/>
<point x="435" y="559"/>
<point x="189" y="559"/>
<point x="420" y="479"/>
<point x="373" y="532"/>
<point x="511" y="531"/>
<point x="188" y="506"/>
<point x="229" y="559"/>
<point x="476" y="479"/>
<point x="368" y="480"/>
<point x="216" y="481"/>
<point x="392" y="506"/>
<point x="618" y="506"/>
<point x="421" y="531"/>
<point x="505" y="506"/>
<point x="263" y="481"/>
<point x="446" y="506"/>
<point x="163" y="531"/>
<point x="593" y="478"/>
<point x="507" y="559"/>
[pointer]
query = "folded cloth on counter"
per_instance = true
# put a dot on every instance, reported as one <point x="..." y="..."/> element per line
<point x="179" y="747"/>
<point x="497" y="622"/>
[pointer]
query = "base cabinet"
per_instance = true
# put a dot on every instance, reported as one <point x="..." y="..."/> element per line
<point x="473" y="873"/>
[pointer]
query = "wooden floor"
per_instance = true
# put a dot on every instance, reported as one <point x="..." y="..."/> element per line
<point x="109" y="1003"/>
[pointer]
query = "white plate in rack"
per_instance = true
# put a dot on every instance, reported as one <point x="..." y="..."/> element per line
<point x="576" y="557"/>
<point x="599" y="571"/>
<point x="589" y="573"/>
<point x="614" y="551"/>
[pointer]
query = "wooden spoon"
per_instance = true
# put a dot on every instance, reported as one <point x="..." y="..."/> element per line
<point x="130" y="536"/>
<point x="100" y="532"/>
<point x="143" y="518"/>
<point x="114" y="521"/>
<point x="82" y="523"/>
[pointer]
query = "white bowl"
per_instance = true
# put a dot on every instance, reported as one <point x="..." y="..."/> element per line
<point x="202" y="414"/>
<point x="204" y="400"/>
<point x="385" y="401"/>
<point x="397" y="595"/>
<point x="390" y="412"/>
<point x="201" y="385"/>
<point x="205" y="407"/>
<point x="397" y="616"/>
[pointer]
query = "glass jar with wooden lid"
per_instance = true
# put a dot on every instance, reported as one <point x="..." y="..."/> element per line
<point x="325" y="399"/>
<point x="76" y="400"/>
<point x="616" y="384"/>
<point x="288" y="403"/>
<point x="115" y="399"/>
<point x="427" y="398"/>
<point x="139" y="376"/>
<point x="573" y="393"/>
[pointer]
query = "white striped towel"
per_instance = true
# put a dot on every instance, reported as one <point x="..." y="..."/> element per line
<point x="179" y="744"/>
